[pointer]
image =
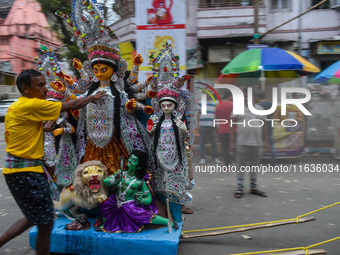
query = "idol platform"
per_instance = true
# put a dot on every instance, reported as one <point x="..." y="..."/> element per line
<point x="91" y="242"/>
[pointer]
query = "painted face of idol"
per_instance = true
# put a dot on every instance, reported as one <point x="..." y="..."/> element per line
<point x="167" y="106"/>
<point x="103" y="72"/>
<point x="133" y="162"/>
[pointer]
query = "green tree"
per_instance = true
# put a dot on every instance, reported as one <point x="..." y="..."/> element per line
<point x="58" y="24"/>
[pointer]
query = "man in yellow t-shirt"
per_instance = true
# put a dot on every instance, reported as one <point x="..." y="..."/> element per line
<point x="24" y="175"/>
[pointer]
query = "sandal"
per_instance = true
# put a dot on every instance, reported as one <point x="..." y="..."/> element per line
<point x="174" y="224"/>
<point x="80" y="223"/>
<point x="238" y="193"/>
<point x="258" y="192"/>
<point x="187" y="210"/>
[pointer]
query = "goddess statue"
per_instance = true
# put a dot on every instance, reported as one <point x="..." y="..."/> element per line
<point x="109" y="129"/>
<point x="170" y="128"/>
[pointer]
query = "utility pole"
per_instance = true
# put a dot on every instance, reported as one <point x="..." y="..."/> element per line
<point x="300" y="30"/>
<point x="302" y="79"/>
<point x="256" y="22"/>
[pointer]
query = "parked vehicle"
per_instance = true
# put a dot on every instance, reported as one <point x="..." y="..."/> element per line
<point x="4" y="104"/>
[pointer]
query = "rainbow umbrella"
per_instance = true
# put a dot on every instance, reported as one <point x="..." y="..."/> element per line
<point x="269" y="65"/>
<point x="330" y="75"/>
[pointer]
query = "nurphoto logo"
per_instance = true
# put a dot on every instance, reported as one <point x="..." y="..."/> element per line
<point x="238" y="104"/>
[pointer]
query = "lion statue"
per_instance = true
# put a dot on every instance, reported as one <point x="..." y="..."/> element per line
<point x="87" y="188"/>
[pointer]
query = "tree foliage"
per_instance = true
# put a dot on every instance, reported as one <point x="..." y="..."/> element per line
<point x="58" y="24"/>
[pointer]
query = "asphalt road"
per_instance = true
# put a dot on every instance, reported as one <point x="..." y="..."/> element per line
<point x="289" y="195"/>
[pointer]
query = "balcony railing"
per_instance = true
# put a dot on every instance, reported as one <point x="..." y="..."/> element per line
<point x="225" y="3"/>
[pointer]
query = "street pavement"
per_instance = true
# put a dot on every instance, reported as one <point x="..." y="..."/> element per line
<point x="290" y="194"/>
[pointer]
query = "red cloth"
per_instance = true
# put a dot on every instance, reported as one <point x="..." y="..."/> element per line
<point x="223" y="111"/>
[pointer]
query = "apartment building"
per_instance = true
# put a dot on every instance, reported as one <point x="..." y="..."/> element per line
<point x="20" y="31"/>
<point x="218" y="30"/>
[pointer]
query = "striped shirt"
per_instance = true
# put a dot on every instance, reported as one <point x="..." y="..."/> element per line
<point x="207" y="120"/>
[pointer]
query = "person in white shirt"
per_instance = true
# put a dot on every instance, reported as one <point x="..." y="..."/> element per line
<point x="247" y="143"/>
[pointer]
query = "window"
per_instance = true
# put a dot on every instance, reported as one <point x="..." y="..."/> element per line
<point x="216" y="2"/>
<point x="322" y="6"/>
<point x="4" y="40"/>
<point x="335" y="3"/>
<point x="280" y="5"/>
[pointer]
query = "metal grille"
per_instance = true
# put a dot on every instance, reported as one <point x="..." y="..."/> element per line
<point x="226" y="3"/>
<point x="5" y="6"/>
<point x="323" y="6"/>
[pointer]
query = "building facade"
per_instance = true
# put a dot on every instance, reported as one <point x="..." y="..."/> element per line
<point x="218" y="30"/>
<point x="24" y="26"/>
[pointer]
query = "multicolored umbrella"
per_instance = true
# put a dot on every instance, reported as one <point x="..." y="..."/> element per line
<point x="275" y="64"/>
<point x="330" y="75"/>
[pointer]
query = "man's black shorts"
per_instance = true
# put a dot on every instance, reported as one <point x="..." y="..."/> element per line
<point x="32" y="194"/>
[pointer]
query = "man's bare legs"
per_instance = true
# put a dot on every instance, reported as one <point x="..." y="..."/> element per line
<point x="42" y="243"/>
<point x="16" y="229"/>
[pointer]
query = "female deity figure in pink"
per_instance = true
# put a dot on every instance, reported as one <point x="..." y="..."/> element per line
<point x="170" y="128"/>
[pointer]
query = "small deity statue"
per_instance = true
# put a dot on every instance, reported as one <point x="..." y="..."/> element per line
<point x="170" y="128"/>
<point x="59" y="148"/>
<point x="133" y="204"/>
<point x="59" y="145"/>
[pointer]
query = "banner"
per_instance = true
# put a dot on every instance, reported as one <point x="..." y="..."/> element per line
<point x="127" y="52"/>
<point x="289" y="140"/>
<point x="158" y="22"/>
<point x="328" y="47"/>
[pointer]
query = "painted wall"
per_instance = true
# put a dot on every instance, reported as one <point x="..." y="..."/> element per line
<point x="228" y="22"/>
<point x="316" y="24"/>
<point x="125" y="29"/>
<point x="25" y="26"/>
